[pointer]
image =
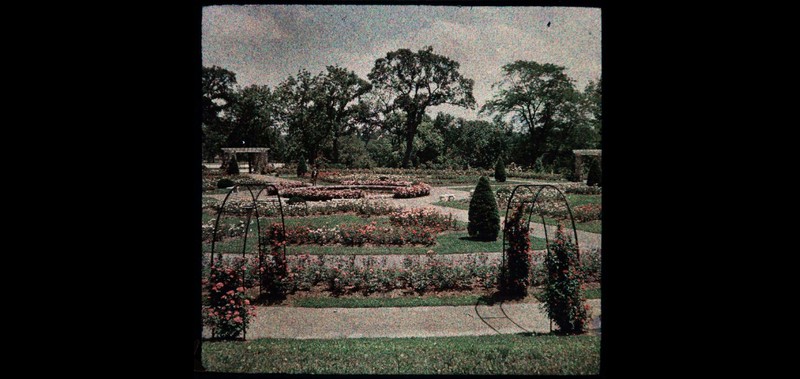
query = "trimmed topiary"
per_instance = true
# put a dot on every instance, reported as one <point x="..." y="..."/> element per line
<point x="302" y="168"/>
<point x="595" y="177"/>
<point x="233" y="166"/>
<point x="224" y="183"/>
<point x="484" y="217"/>
<point x="500" y="171"/>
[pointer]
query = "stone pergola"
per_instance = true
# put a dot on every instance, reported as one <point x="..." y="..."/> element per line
<point x="579" y="154"/>
<point x="260" y="165"/>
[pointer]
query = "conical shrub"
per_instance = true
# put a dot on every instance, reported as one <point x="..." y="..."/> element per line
<point x="484" y="217"/>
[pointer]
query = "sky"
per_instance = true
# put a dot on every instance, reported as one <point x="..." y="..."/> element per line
<point x="265" y="44"/>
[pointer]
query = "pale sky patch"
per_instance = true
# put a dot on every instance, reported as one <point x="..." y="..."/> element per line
<point x="264" y="44"/>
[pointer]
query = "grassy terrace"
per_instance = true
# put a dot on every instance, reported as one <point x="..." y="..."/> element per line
<point x="574" y="200"/>
<point x="495" y="354"/>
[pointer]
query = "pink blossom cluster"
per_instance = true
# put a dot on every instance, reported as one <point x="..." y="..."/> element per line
<point x="417" y="190"/>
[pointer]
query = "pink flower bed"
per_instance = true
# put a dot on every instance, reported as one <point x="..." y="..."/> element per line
<point x="377" y="182"/>
<point x="417" y="190"/>
<point x="424" y="217"/>
<point x="357" y="235"/>
<point x="322" y="193"/>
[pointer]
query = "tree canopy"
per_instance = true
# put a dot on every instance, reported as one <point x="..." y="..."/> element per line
<point x="414" y="81"/>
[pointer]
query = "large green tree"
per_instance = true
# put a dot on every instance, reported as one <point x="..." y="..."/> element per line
<point x="218" y="95"/>
<point x="542" y="99"/>
<point x="339" y="91"/>
<point x="414" y="81"/>
<point x="297" y="101"/>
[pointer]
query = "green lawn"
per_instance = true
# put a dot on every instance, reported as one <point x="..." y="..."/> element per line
<point x="595" y="226"/>
<point x="407" y="301"/>
<point x="469" y="355"/>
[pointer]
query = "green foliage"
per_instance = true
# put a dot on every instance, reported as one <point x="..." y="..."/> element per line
<point x="383" y="152"/>
<point x="295" y="200"/>
<point x="484" y="217"/>
<point x="233" y="166"/>
<point x="353" y="153"/>
<point x="563" y="296"/>
<point x="404" y="72"/>
<point x="500" y="171"/>
<point x="595" y="177"/>
<point x="543" y="98"/>
<point x="302" y="168"/>
<point x="224" y="183"/>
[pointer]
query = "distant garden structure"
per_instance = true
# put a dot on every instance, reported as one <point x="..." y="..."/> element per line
<point x="579" y="154"/>
<point x="257" y="165"/>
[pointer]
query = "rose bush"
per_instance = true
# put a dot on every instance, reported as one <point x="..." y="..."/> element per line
<point x="227" y="310"/>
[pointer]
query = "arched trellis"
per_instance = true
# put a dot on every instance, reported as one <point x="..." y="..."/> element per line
<point x="531" y="188"/>
<point x="251" y="210"/>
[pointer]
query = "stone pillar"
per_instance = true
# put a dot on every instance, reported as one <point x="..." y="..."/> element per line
<point x="260" y="166"/>
<point x="579" y="167"/>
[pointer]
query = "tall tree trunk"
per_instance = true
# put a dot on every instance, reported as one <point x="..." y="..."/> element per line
<point x="335" y="151"/>
<point x="409" y="146"/>
<point x="411" y="130"/>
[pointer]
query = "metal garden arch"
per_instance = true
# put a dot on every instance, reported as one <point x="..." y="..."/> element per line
<point x="530" y="210"/>
<point x="251" y="209"/>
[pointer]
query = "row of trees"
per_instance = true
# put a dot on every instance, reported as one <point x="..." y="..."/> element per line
<point x="336" y="116"/>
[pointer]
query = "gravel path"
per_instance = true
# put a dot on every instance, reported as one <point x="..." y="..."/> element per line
<point x="398" y="322"/>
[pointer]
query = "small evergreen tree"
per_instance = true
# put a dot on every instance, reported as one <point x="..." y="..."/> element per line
<point x="484" y="217"/>
<point x="563" y="298"/>
<point x="302" y="168"/>
<point x="500" y="171"/>
<point x="595" y="177"/>
<point x="233" y="166"/>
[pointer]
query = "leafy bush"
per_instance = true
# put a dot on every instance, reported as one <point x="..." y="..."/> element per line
<point x="595" y="177"/>
<point x="516" y="278"/>
<point x="484" y="217"/>
<point x="302" y="168"/>
<point x="227" y="309"/>
<point x="224" y="183"/>
<point x="233" y="166"/>
<point x="563" y="298"/>
<point x="500" y="171"/>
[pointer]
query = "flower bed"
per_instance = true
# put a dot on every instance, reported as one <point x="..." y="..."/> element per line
<point x="362" y="207"/>
<point x="224" y="231"/>
<point x="377" y="182"/>
<point x="416" y="190"/>
<point x="588" y="212"/>
<point x="424" y="217"/>
<point x="322" y="193"/>
<point x="418" y="273"/>
<point x="357" y="235"/>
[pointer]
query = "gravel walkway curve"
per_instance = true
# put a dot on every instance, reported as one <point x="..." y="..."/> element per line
<point x="399" y="322"/>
